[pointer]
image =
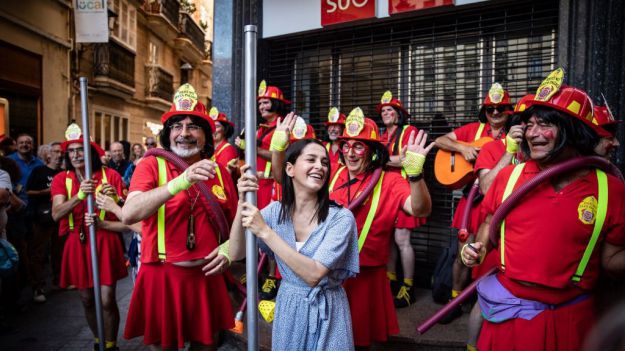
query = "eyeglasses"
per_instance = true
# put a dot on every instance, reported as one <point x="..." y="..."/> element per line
<point x="150" y="144"/>
<point x="179" y="127"/>
<point x="358" y="147"/>
<point x="78" y="150"/>
<point x="500" y="109"/>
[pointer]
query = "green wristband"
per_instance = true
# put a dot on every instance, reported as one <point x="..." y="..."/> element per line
<point x="224" y="250"/>
<point x="178" y="184"/>
<point x="81" y="195"/>
<point x="413" y="163"/>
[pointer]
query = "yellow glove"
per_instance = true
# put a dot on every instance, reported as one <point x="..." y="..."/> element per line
<point x="279" y="141"/>
<point x="413" y="163"/>
<point x="178" y="184"/>
<point x="511" y="145"/>
<point x="224" y="250"/>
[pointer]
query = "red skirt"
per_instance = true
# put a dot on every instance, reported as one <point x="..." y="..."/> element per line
<point x="76" y="262"/>
<point x="405" y="221"/>
<point x="172" y="304"/>
<point x="562" y="329"/>
<point x="371" y="306"/>
<point x="264" y="193"/>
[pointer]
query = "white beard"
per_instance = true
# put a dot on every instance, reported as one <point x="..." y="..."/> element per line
<point x="185" y="153"/>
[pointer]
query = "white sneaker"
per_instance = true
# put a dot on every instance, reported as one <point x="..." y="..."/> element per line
<point x="39" y="297"/>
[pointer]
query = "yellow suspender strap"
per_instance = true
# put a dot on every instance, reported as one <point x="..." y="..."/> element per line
<point x="218" y="171"/>
<point x="68" y="186"/>
<point x="328" y="146"/>
<point x="336" y="177"/>
<point x="480" y="130"/>
<point x="602" y="209"/>
<point x="223" y="146"/>
<point x="160" y="217"/>
<point x="516" y="173"/>
<point x="374" y="206"/>
<point x="267" y="169"/>
<point x="104" y="181"/>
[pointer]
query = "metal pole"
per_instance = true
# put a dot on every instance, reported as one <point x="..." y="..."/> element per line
<point x="251" y="250"/>
<point x="90" y="210"/>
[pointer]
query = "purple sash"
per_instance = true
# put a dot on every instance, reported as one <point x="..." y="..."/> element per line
<point x="499" y="305"/>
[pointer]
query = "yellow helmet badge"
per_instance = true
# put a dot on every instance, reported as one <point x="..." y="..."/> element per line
<point x="333" y="115"/>
<point x="386" y="97"/>
<point x="73" y="132"/>
<point x="299" y="129"/>
<point x="550" y="85"/>
<point x="355" y="122"/>
<point x="185" y="98"/>
<point x="496" y="93"/>
<point x="213" y="113"/>
<point x="262" y="88"/>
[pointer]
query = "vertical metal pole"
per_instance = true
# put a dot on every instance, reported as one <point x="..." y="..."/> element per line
<point x="251" y="250"/>
<point x="90" y="210"/>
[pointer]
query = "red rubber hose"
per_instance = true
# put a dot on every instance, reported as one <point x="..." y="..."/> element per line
<point x="463" y="233"/>
<point x="367" y="191"/>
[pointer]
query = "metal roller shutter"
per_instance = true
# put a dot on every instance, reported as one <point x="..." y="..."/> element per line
<point x="439" y="65"/>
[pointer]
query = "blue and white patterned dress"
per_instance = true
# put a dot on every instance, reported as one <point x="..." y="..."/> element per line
<point x="316" y="318"/>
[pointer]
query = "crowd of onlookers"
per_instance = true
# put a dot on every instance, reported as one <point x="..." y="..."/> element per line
<point x="26" y="220"/>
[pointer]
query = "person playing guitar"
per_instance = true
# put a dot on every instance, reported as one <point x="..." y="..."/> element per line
<point x="492" y="118"/>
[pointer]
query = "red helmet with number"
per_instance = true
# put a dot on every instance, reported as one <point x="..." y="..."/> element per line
<point x="359" y="127"/>
<point x="186" y="103"/>
<point x="270" y="92"/>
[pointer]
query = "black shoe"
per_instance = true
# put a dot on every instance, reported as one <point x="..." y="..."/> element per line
<point x="395" y="286"/>
<point x="404" y="297"/>
<point x="453" y="314"/>
<point x="96" y="347"/>
<point x="269" y="290"/>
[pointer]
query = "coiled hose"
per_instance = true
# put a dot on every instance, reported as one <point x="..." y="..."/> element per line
<point x="505" y="208"/>
<point x="463" y="233"/>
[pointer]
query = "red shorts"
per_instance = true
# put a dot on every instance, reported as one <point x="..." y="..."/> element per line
<point x="371" y="306"/>
<point x="405" y="221"/>
<point x="172" y="304"/>
<point x="264" y="193"/>
<point x="76" y="262"/>
<point x="562" y="329"/>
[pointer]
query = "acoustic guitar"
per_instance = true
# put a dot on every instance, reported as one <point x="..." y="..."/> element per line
<point x="452" y="170"/>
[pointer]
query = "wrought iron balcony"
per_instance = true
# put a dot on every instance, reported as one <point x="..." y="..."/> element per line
<point x="113" y="62"/>
<point x="192" y="31"/>
<point x="169" y="9"/>
<point x="159" y="83"/>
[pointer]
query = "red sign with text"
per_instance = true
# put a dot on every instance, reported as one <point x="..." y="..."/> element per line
<point x="340" y="11"/>
<point x="399" y="6"/>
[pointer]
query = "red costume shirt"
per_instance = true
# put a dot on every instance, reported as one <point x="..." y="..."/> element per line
<point x="395" y="191"/>
<point x="468" y="131"/>
<point x="225" y="152"/>
<point x="177" y="212"/>
<point x="334" y="157"/>
<point x="546" y="237"/>
<point x="404" y="137"/>
<point x="264" y="135"/>
<point x="58" y="187"/>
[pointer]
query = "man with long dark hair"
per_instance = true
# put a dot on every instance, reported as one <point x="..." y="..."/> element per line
<point x="173" y="301"/>
<point x="69" y="191"/>
<point x="556" y="240"/>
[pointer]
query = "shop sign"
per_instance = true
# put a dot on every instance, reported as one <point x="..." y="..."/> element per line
<point x="399" y="6"/>
<point x="91" y="21"/>
<point x="340" y="11"/>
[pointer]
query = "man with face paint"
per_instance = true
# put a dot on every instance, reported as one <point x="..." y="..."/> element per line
<point x="174" y="301"/>
<point x="602" y="116"/>
<point x="69" y="191"/>
<point x="557" y="239"/>
<point x="334" y="126"/>
<point x="493" y="115"/>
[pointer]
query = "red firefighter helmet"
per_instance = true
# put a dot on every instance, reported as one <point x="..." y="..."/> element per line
<point x="270" y="92"/>
<point x="359" y="127"/>
<point x="496" y="96"/>
<point x="73" y="134"/>
<point x="186" y="103"/>
<point x="388" y="100"/>
<point x="524" y="103"/>
<point x="602" y="116"/>
<point x="219" y="116"/>
<point x="335" y="117"/>
<point x="301" y="130"/>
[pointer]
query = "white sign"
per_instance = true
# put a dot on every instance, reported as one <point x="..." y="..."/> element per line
<point x="91" y="19"/>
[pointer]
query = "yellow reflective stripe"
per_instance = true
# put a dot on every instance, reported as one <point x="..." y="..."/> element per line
<point x="104" y="181"/>
<point x="602" y="210"/>
<point x="336" y="177"/>
<point x="479" y="131"/>
<point x="68" y="186"/>
<point x="328" y="145"/>
<point x="374" y="206"/>
<point x="160" y="217"/>
<point x="516" y="173"/>
<point x="221" y="149"/>
<point x="267" y="169"/>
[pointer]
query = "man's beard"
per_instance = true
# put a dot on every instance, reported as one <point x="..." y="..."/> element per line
<point x="185" y="153"/>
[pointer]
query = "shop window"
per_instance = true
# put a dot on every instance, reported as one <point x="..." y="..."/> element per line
<point x="110" y="127"/>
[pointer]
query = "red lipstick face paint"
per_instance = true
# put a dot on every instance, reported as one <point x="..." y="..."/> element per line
<point x="548" y="134"/>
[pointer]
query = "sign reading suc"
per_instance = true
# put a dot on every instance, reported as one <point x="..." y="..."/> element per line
<point x="340" y="11"/>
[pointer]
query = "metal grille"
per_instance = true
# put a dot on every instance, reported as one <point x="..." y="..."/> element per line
<point x="440" y="66"/>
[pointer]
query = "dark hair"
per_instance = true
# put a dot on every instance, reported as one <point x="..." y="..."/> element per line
<point x="163" y="135"/>
<point x="513" y="120"/>
<point x="126" y="146"/>
<point x="378" y="155"/>
<point x="6" y="144"/>
<point x="571" y="132"/>
<point x="228" y="129"/>
<point x="96" y="163"/>
<point x="277" y="106"/>
<point x="402" y="119"/>
<point x="10" y="166"/>
<point x="293" y="152"/>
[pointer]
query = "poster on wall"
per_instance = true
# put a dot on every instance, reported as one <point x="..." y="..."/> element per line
<point x="91" y="20"/>
<point x="399" y="6"/>
<point x="341" y="11"/>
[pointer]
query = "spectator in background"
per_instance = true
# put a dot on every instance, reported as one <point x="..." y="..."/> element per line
<point x="7" y="146"/>
<point x="118" y="161"/>
<point x="106" y="158"/>
<point x="44" y="230"/>
<point x="127" y="150"/>
<point x="26" y="161"/>
<point x="137" y="153"/>
<point x="150" y="143"/>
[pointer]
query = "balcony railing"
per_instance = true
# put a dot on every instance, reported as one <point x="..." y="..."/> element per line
<point x="159" y="83"/>
<point x="113" y="61"/>
<point x="190" y="29"/>
<point x="168" y="8"/>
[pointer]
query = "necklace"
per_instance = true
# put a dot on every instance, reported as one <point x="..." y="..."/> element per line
<point x="191" y="221"/>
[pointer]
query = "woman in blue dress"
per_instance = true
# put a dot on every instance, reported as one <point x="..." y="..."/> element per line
<point x="314" y="242"/>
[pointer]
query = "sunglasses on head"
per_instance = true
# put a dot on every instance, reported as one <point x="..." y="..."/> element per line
<point x="500" y="109"/>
